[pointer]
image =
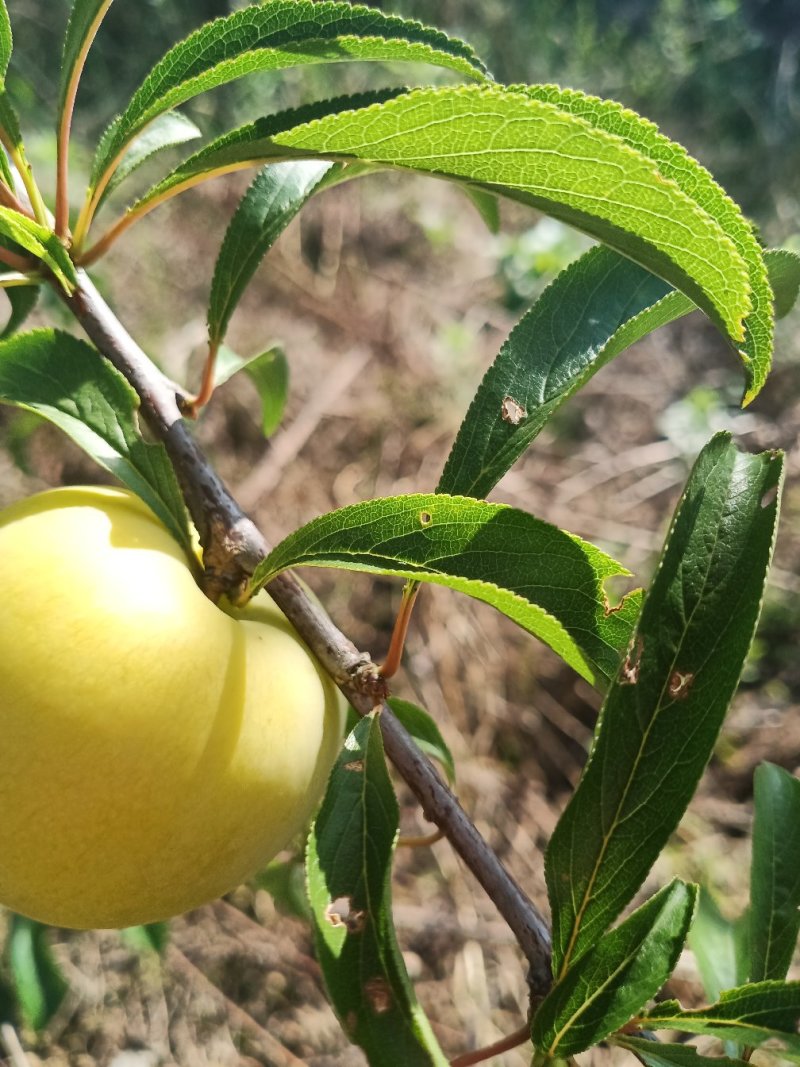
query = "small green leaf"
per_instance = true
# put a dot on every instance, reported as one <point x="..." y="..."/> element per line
<point x="655" y="1054"/>
<point x="719" y="946"/>
<point x="286" y="883"/>
<point x="536" y="152"/>
<point x="486" y="204"/>
<point x="41" y="243"/>
<point x="38" y="981"/>
<point x="84" y="20"/>
<point x="419" y="724"/>
<point x="761" y="1011"/>
<point x="6" y="40"/>
<point x="784" y="276"/>
<point x="349" y="884"/>
<point x="71" y="385"/>
<point x="775" y="873"/>
<point x="266" y="209"/>
<point x="152" y="937"/>
<point x="615" y="978"/>
<point x="273" y="36"/>
<point x="663" y="713"/>
<point x="269" y="372"/>
<point x="547" y="581"/>
<point x="23" y="300"/>
<point x="167" y="131"/>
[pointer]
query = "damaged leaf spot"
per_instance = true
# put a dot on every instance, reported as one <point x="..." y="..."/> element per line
<point x="769" y="497"/>
<point x="425" y="518"/>
<point x="354" y="765"/>
<point x="629" y="674"/>
<point x="379" y="995"/>
<point x="340" y="912"/>
<point x="512" y="411"/>
<point x="679" y="685"/>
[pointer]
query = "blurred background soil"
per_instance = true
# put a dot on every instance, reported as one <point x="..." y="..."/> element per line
<point x="390" y="299"/>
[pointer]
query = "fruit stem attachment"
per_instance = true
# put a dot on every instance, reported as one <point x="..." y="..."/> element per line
<point x="391" y="664"/>
<point x="505" y="1044"/>
<point x="233" y="546"/>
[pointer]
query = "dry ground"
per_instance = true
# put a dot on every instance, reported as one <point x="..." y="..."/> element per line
<point x="387" y="336"/>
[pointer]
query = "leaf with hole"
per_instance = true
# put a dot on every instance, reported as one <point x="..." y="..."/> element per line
<point x="616" y="977"/>
<point x="663" y="713"/>
<point x="73" y="386"/>
<point x="548" y="581"/>
<point x="349" y="885"/>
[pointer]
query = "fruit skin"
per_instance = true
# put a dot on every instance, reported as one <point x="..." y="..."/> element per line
<point x="155" y="750"/>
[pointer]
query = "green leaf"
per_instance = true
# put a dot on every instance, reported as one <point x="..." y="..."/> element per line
<point x="775" y="873"/>
<point x="273" y="36"/>
<point x="549" y="582"/>
<point x="761" y="1011"/>
<point x="286" y="883"/>
<point x="419" y="724"/>
<point x="512" y="143"/>
<point x="676" y="165"/>
<point x="152" y="937"/>
<point x="784" y="276"/>
<point x="10" y="124"/>
<point x="6" y="40"/>
<point x="23" y="300"/>
<point x="664" y="710"/>
<point x="616" y="977"/>
<point x="654" y="1054"/>
<point x="269" y="372"/>
<point x="38" y="982"/>
<point x="167" y="131"/>
<point x="84" y="19"/>
<point x="595" y="309"/>
<point x="719" y="947"/>
<point x="487" y="206"/>
<point x="40" y="242"/>
<point x="266" y="209"/>
<point x="349" y="884"/>
<point x="71" y="385"/>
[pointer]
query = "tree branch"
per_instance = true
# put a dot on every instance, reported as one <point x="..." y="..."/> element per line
<point x="233" y="546"/>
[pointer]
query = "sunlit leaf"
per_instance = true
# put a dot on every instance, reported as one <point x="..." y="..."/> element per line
<point x="547" y="581"/>
<point x="349" y="883"/>
<point x="6" y="40"/>
<point x="272" y="36"/>
<point x="40" y="242"/>
<point x="664" y="710"/>
<point x="269" y="372"/>
<point x="167" y="131"/>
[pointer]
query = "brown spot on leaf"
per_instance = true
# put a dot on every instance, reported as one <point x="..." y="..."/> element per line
<point x="379" y="995"/>
<point x="340" y="912"/>
<point x="425" y="518"/>
<point x="354" y="765"/>
<point x="679" y="685"/>
<point x="629" y="673"/>
<point x="512" y="411"/>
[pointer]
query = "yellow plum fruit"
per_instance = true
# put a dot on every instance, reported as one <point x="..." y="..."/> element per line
<point x="155" y="750"/>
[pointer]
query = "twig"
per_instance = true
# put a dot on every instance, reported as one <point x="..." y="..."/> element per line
<point x="233" y="546"/>
<point x="13" y="1046"/>
<point x="505" y="1044"/>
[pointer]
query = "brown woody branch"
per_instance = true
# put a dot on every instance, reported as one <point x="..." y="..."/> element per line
<point x="233" y="546"/>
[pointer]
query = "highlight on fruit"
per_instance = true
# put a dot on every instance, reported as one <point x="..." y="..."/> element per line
<point x="157" y="749"/>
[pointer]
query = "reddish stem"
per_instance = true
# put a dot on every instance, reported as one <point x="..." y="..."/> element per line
<point x="391" y="664"/>
<point x="505" y="1044"/>
<point x="192" y="406"/>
